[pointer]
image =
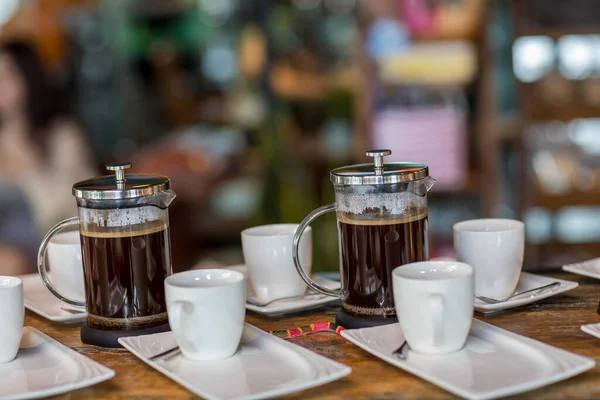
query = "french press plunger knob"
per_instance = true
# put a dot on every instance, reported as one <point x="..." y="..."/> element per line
<point x="119" y="168"/>
<point x="378" y="155"/>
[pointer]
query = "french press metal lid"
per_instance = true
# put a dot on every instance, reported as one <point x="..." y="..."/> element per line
<point x="120" y="186"/>
<point x="379" y="173"/>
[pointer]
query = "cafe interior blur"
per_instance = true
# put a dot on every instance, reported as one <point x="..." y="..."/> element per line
<point x="248" y="104"/>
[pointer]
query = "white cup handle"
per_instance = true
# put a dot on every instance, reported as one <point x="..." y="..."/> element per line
<point x="436" y="302"/>
<point x="177" y="316"/>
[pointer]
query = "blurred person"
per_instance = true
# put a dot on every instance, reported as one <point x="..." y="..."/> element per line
<point x="42" y="153"/>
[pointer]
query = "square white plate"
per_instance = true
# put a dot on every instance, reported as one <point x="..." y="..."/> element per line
<point x="44" y="368"/>
<point x="590" y="268"/>
<point x="494" y="362"/>
<point x="591" y="329"/>
<point x="264" y="366"/>
<point x="39" y="300"/>
<point x="287" y="306"/>
<point x="528" y="281"/>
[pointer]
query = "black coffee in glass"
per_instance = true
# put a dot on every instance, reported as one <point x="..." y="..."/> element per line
<point x="370" y="249"/>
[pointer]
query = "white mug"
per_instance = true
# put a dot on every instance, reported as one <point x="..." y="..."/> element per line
<point x="206" y="311"/>
<point x="13" y="313"/>
<point x="66" y="265"/>
<point x="268" y="256"/>
<point x="434" y="304"/>
<point x="495" y="249"/>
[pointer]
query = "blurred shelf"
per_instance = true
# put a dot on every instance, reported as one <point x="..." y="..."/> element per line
<point x="509" y="128"/>
<point x="556" y="33"/>
<point x="472" y="186"/>
<point x="563" y="113"/>
<point x="575" y="198"/>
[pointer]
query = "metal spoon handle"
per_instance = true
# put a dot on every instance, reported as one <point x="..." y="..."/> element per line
<point x="534" y="289"/>
<point x="400" y="352"/>
<point x="164" y="353"/>
<point x="303" y="296"/>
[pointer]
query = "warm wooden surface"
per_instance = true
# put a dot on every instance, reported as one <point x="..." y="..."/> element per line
<point x="555" y="321"/>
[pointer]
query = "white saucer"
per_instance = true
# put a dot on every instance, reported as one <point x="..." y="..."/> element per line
<point x="528" y="281"/>
<point x="592" y="329"/>
<point x="45" y="368"/>
<point x="39" y="300"/>
<point x="589" y="268"/>
<point x="264" y="366"/>
<point x="493" y="363"/>
<point x="287" y="306"/>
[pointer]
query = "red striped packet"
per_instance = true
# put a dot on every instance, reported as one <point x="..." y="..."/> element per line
<point x="303" y="330"/>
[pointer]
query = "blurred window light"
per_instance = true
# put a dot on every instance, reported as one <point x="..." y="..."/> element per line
<point x="339" y="31"/>
<point x="217" y="11"/>
<point x="533" y="57"/>
<point x="340" y="6"/>
<point x="219" y="64"/>
<point x="584" y="133"/>
<point x="595" y="39"/>
<point x="306" y="5"/>
<point x="8" y="8"/>
<point x="387" y="37"/>
<point x="539" y="225"/>
<point x="578" y="224"/>
<point x="337" y="138"/>
<point x="576" y="56"/>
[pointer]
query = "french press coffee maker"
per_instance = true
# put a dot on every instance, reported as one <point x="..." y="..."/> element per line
<point x="123" y="224"/>
<point x="382" y="223"/>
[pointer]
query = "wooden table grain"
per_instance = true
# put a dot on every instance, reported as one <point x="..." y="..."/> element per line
<point x="555" y="321"/>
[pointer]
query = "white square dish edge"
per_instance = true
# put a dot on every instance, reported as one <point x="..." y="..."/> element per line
<point x="591" y="329"/>
<point x="99" y="372"/>
<point x="518" y="301"/>
<point x="589" y="268"/>
<point x="570" y="364"/>
<point x="331" y="369"/>
<point x="49" y="306"/>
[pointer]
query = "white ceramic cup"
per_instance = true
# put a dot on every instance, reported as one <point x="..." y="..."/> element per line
<point x="13" y="312"/>
<point x="434" y="304"/>
<point x="268" y="256"/>
<point x="206" y="311"/>
<point x="494" y="248"/>
<point x="66" y="266"/>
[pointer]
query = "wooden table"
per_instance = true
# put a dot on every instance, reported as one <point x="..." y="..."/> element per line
<point x="555" y="321"/>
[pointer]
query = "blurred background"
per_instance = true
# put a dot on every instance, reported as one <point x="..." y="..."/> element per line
<point x="248" y="104"/>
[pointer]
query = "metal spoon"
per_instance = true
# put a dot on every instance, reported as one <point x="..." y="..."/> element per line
<point x="164" y="353"/>
<point x="72" y="310"/>
<point x="304" y="296"/>
<point x="489" y="300"/>
<point x="400" y="352"/>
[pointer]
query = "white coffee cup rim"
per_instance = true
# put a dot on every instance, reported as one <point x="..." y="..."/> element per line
<point x="68" y="238"/>
<point x="431" y="271"/>
<point x="489" y="225"/>
<point x="7" y="282"/>
<point x="204" y="279"/>
<point x="273" y="230"/>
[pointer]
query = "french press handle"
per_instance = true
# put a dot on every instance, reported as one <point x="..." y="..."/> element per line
<point x="296" y="242"/>
<point x="41" y="261"/>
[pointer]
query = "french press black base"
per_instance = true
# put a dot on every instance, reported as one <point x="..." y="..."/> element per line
<point x="110" y="339"/>
<point x="352" y="322"/>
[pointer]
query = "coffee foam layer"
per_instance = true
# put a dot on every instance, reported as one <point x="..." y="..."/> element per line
<point x="124" y="217"/>
<point x="348" y="219"/>
<point x="392" y="203"/>
<point x="130" y="231"/>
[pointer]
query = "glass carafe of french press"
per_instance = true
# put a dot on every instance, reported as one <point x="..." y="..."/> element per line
<point x="126" y="254"/>
<point x="382" y="224"/>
